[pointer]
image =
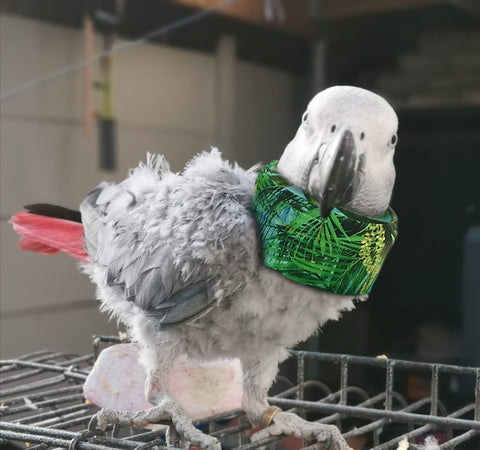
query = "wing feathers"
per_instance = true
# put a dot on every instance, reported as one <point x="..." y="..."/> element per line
<point x="183" y="306"/>
<point x="173" y="244"/>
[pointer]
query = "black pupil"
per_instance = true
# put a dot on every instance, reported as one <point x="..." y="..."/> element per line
<point x="333" y="128"/>
<point x="305" y="116"/>
<point x="394" y="139"/>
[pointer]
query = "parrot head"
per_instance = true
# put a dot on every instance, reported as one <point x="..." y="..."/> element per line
<point x="342" y="153"/>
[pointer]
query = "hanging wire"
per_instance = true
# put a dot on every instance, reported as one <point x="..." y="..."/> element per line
<point x="123" y="46"/>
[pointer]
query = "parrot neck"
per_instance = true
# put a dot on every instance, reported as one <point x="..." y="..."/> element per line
<point x="342" y="253"/>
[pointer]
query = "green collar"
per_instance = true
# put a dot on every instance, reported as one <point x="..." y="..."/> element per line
<point x="342" y="254"/>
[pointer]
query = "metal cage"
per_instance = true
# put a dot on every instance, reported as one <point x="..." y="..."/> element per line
<point x="376" y="403"/>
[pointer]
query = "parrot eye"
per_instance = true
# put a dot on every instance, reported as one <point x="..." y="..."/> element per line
<point x="333" y="128"/>
<point x="393" y="140"/>
<point x="305" y="117"/>
<point x="362" y="136"/>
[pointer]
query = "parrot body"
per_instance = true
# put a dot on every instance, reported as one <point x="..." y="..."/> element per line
<point x="196" y="229"/>
<point x="178" y="257"/>
<point x="149" y="245"/>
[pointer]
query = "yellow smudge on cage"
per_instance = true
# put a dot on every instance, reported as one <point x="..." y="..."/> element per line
<point x="382" y="357"/>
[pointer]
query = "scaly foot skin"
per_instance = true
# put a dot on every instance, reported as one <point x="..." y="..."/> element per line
<point x="326" y="436"/>
<point x="167" y="410"/>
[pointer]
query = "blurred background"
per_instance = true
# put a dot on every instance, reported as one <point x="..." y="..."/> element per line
<point x="239" y="78"/>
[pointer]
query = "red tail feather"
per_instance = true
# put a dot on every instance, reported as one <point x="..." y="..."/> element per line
<point x="48" y="235"/>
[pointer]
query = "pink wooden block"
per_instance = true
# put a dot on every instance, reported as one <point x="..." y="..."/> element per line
<point x="204" y="389"/>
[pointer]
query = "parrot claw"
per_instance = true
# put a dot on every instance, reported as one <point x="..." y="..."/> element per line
<point x="167" y="410"/>
<point x="325" y="436"/>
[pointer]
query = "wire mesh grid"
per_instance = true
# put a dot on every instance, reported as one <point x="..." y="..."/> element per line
<point x="42" y="404"/>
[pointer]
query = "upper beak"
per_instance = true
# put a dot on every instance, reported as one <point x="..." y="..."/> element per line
<point x="337" y="173"/>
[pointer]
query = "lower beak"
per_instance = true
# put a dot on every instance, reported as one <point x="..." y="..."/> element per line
<point x="338" y="173"/>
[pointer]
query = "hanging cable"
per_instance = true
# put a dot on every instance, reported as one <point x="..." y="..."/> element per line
<point x="126" y="45"/>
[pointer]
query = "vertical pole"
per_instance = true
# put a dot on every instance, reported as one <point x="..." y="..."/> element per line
<point x="107" y="124"/>
<point x="89" y="52"/>
<point x="316" y="84"/>
<point x="319" y="78"/>
<point x="225" y="91"/>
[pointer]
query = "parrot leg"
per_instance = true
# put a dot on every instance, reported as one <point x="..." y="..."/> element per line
<point x="325" y="436"/>
<point x="257" y="379"/>
<point x="166" y="408"/>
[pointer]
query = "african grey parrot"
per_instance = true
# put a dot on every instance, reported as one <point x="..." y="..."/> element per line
<point x="177" y="257"/>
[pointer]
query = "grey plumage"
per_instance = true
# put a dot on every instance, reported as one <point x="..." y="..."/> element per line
<point x="165" y="242"/>
<point x="176" y="256"/>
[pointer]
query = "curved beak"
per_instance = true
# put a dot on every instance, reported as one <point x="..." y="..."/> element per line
<point x="337" y="169"/>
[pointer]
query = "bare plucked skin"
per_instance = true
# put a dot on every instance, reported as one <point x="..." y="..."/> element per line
<point x="157" y="233"/>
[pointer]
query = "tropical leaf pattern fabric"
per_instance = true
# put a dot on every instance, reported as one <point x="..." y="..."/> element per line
<point x="342" y="254"/>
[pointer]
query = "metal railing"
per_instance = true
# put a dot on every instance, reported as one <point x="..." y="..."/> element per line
<point x="42" y="404"/>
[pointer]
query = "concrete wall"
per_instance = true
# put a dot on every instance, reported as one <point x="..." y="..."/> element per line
<point x="166" y="100"/>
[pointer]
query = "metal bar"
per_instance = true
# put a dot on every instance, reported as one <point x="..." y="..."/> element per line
<point x="21" y="376"/>
<point x="38" y="447"/>
<point x="143" y="437"/>
<point x="378" y="423"/>
<point x="300" y="375"/>
<point x="155" y="443"/>
<point x="32" y="386"/>
<point x="381" y="362"/>
<point x="54" y="414"/>
<point x="21" y="428"/>
<point x="67" y="436"/>
<point x="63" y="417"/>
<point x="477" y="395"/>
<point x="434" y="391"/>
<point x="389" y="384"/>
<point x="38" y="353"/>
<point x="231" y="430"/>
<point x="452" y="443"/>
<point x="260" y="443"/>
<point x="43" y="394"/>
<point x="78" y="359"/>
<point x="50" y="402"/>
<point x="83" y="420"/>
<point x="343" y="381"/>
<point x="356" y="411"/>
<point x="120" y="443"/>
<point x="25" y="437"/>
<point x="308" y="383"/>
<point x="426" y="428"/>
<point x="41" y="355"/>
<point x="111" y="339"/>
<point x="223" y="416"/>
<point x="48" y="367"/>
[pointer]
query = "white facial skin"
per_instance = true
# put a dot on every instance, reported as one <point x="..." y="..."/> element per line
<point x="373" y="124"/>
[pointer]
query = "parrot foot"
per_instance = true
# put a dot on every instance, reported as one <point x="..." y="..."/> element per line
<point x="167" y="410"/>
<point x="325" y="436"/>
